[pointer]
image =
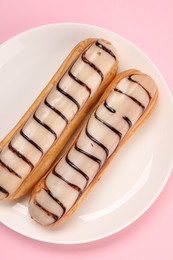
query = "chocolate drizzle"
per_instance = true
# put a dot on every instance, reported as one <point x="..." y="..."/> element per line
<point x="10" y="169"/>
<point x="55" y="199"/>
<point x="31" y="141"/>
<point x="48" y="128"/>
<point x="13" y="150"/>
<point x="4" y="191"/>
<point x="112" y="110"/>
<point x="92" y="65"/>
<point x="55" y="110"/>
<point x="55" y="217"/>
<point x="95" y="159"/>
<point x="108" y="125"/>
<point x="44" y="125"/>
<point x="67" y="95"/>
<point x="97" y="142"/>
<point x="69" y="183"/>
<point x="76" y="168"/>
<point x="129" y="122"/>
<point x="88" y="155"/>
<point x="101" y="46"/>
<point x="134" y="99"/>
<point x="79" y="81"/>
<point x="130" y="79"/>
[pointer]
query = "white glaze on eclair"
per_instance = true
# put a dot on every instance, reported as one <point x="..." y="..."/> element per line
<point x="40" y="132"/>
<point x="57" y="193"/>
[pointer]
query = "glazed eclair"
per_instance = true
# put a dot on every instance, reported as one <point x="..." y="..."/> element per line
<point x="28" y="151"/>
<point x="126" y="103"/>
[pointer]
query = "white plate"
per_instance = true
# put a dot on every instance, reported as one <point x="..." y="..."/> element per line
<point x="140" y="170"/>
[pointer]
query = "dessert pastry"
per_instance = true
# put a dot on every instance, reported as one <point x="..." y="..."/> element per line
<point x="124" y="106"/>
<point x="28" y="151"/>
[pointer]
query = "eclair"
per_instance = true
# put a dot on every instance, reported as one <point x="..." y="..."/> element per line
<point x="28" y="151"/>
<point x="125" y="105"/>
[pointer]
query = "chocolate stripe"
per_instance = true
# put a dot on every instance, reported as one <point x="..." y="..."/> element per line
<point x="108" y="125"/>
<point x="88" y="155"/>
<point x="4" y="191"/>
<point x="76" y="168"/>
<point x="69" y="183"/>
<point x="129" y="122"/>
<point x="132" y="98"/>
<point x="13" y="150"/>
<point x="92" y="65"/>
<point x="67" y="95"/>
<point x="112" y="110"/>
<point x="55" y="217"/>
<point x="79" y="81"/>
<point x="130" y="78"/>
<point x="32" y="142"/>
<point x="96" y="141"/>
<point x="101" y="46"/>
<point x="44" y="125"/>
<point x="56" y="111"/>
<point x="56" y="200"/>
<point x="10" y="169"/>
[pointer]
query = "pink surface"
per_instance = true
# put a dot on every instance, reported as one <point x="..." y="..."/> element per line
<point x="149" y="26"/>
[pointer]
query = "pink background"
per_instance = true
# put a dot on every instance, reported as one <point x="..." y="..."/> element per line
<point x="148" y="24"/>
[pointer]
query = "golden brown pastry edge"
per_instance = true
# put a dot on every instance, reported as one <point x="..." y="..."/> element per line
<point x="54" y="151"/>
<point x="140" y="121"/>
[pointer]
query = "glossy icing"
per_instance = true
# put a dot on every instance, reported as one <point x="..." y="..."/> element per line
<point x="59" y="107"/>
<point x="98" y="140"/>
